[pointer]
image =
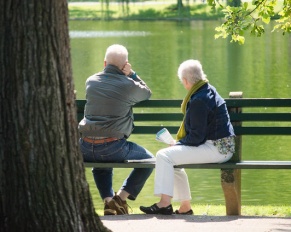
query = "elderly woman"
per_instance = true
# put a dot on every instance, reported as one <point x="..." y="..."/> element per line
<point x="205" y="136"/>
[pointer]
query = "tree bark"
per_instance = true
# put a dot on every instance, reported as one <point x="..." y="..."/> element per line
<point x="42" y="178"/>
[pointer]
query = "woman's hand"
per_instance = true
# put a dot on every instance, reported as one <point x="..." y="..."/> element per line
<point x="173" y="143"/>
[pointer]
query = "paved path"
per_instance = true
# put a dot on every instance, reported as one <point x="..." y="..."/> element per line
<point x="185" y="223"/>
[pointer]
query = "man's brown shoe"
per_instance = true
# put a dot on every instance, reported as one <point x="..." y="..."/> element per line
<point x="118" y="205"/>
<point x="108" y="210"/>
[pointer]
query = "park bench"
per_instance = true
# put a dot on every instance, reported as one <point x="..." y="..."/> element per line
<point x="149" y="120"/>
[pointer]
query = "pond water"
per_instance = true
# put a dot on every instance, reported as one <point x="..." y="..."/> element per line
<point x="260" y="69"/>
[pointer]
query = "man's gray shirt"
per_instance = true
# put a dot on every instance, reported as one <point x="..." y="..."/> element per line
<point x="110" y="96"/>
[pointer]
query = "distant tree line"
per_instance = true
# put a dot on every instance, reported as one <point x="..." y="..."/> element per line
<point x="239" y="17"/>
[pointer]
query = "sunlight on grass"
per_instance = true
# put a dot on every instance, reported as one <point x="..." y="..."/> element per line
<point x="199" y="209"/>
<point x="219" y="210"/>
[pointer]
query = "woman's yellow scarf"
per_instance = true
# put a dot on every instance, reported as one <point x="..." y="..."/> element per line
<point x="181" y="132"/>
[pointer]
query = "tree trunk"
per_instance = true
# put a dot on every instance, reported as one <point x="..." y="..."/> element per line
<point x="42" y="179"/>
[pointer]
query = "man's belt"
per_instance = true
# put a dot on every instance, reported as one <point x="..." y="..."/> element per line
<point x="99" y="141"/>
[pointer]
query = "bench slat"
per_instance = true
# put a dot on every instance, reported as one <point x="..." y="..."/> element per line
<point x="254" y="130"/>
<point x="158" y="103"/>
<point x="154" y="129"/>
<point x="258" y="102"/>
<point x="231" y="102"/>
<point x="251" y="130"/>
<point x="228" y="165"/>
<point x="259" y="117"/>
<point x="151" y="117"/>
<point x="120" y="165"/>
<point x="243" y="165"/>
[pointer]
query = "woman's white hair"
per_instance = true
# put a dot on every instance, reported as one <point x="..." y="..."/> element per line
<point x="116" y="55"/>
<point x="192" y="71"/>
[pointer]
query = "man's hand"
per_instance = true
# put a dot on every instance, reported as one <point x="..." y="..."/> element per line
<point x="127" y="69"/>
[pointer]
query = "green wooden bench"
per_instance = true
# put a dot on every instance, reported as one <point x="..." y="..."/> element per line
<point x="152" y="115"/>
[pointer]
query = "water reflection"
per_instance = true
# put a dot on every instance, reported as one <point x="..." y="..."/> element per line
<point x="104" y="34"/>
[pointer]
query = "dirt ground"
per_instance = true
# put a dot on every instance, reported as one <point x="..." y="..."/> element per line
<point x="184" y="223"/>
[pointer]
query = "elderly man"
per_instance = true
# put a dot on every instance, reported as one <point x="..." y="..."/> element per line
<point x="107" y="124"/>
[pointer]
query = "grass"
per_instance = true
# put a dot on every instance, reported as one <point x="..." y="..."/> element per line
<point x="143" y="10"/>
<point x="199" y="209"/>
<point x="219" y="210"/>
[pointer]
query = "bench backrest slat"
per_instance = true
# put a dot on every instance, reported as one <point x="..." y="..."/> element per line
<point x="238" y="130"/>
<point x="231" y="102"/>
<point x="158" y="103"/>
<point x="258" y="102"/>
<point x="262" y="130"/>
<point x="154" y="129"/>
<point x="158" y="117"/>
<point x="279" y="117"/>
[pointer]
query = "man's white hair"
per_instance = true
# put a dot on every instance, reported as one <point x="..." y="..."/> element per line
<point x="192" y="71"/>
<point x="116" y="55"/>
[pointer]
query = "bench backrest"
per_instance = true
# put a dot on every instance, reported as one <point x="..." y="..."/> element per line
<point x="259" y="117"/>
<point x="152" y="115"/>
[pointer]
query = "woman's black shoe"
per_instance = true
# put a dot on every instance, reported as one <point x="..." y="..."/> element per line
<point x="154" y="209"/>
<point x="190" y="212"/>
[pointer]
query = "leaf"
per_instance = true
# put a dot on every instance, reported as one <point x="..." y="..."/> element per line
<point x="266" y="20"/>
<point x="239" y="39"/>
<point x="245" y="5"/>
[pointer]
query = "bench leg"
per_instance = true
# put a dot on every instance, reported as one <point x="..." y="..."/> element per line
<point x="231" y="185"/>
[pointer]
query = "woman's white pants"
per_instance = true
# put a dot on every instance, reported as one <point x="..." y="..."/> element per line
<point x="174" y="181"/>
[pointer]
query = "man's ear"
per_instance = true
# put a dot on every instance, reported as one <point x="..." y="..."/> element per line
<point x="104" y="63"/>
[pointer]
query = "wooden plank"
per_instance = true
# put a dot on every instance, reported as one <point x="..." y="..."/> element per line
<point x="259" y="117"/>
<point x="154" y="129"/>
<point x="229" y="165"/>
<point x="259" y="102"/>
<point x="247" y="164"/>
<point x="244" y="117"/>
<point x="241" y="102"/>
<point x="158" y="117"/>
<point x="247" y="130"/>
<point x="158" y="103"/>
<point x="120" y="165"/>
<point x="256" y="117"/>
<point x="255" y="130"/>
<point x="231" y="178"/>
<point x="80" y="104"/>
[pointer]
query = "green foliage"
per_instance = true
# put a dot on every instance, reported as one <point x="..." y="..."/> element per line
<point x="197" y="11"/>
<point x="139" y="11"/>
<point x="284" y="23"/>
<point x="147" y="13"/>
<point x="252" y="17"/>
